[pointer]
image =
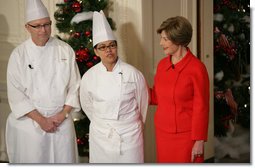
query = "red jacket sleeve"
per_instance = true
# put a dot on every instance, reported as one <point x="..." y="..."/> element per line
<point x="200" y="115"/>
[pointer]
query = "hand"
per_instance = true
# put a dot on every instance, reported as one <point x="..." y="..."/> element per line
<point x="197" y="150"/>
<point x="47" y="124"/>
<point x="59" y="118"/>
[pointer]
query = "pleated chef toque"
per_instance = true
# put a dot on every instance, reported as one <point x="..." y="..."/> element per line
<point x="35" y="9"/>
<point x="101" y="28"/>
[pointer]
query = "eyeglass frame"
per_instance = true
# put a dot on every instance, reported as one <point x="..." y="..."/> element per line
<point x="111" y="46"/>
<point x="38" y="27"/>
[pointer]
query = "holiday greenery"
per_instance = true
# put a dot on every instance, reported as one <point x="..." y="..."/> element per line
<point x="231" y="64"/>
<point x="74" y="23"/>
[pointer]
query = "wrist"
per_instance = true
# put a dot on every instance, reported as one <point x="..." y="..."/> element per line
<point x="36" y="116"/>
<point x="66" y="114"/>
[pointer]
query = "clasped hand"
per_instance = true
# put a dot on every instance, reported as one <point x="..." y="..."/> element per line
<point x="51" y="124"/>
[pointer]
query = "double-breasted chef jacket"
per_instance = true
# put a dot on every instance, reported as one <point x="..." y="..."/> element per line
<point x="116" y="104"/>
<point x="44" y="78"/>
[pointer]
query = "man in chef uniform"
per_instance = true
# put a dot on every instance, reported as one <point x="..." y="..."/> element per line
<point x="114" y="96"/>
<point x="43" y="87"/>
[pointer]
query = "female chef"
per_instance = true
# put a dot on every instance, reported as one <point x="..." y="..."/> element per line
<point x="114" y="96"/>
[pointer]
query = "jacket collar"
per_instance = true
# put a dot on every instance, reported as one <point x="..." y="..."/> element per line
<point x="116" y="68"/>
<point x="181" y="64"/>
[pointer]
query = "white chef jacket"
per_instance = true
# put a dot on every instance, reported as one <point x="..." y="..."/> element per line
<point x="116" y="103"/>
<point x="44" y="78"/>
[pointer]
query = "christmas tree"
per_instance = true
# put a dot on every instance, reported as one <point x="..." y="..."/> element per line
<point x="74" y="23"/>
<point x="231" y="64"/>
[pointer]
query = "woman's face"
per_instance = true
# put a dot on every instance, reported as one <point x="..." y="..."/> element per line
<point x="107" y="51"/>
<point x="168" y="46"/>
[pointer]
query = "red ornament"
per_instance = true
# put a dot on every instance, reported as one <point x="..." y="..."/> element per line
<point x="89" y="64"/>
<point x="96" y="58"/>
<point x="80" y="141"/>
<point x="88" y="33"/>
<point x="76" y="6"/>
<point x="82" y="55"/>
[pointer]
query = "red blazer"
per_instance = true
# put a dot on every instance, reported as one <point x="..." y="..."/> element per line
<point x="182" y="95"/>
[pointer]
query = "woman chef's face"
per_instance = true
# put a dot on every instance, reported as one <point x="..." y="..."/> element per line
<point x="107" y="51"/>
<point x="40" y="30"/>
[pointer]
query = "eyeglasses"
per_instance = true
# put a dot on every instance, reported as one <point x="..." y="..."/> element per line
<point x="104" y="47"/>
<point x="38" y="27"/>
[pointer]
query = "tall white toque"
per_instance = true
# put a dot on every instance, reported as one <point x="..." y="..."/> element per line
<point x="101" y="28"/>
<point x="35" y="9"/>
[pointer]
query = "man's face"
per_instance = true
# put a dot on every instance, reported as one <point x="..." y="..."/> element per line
<point x="40" y="30"/>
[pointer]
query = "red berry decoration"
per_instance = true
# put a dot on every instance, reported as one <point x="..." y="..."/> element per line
<point x="88" y="33"/>
<point x="96" y="58"/>
<point x="89" y="64"/>
<point x="76" y="6"/>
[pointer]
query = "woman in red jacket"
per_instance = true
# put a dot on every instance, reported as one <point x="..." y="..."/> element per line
<point x="181" y="93"/>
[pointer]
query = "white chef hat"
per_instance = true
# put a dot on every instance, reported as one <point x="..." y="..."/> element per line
<point x="35" y="9"/>
<point x="101" y="28"/>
